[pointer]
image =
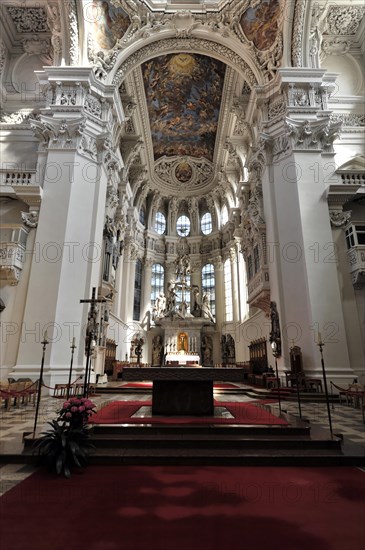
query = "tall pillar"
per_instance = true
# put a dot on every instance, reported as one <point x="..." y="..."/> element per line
<point x="146" y="311"/>
<point x="70" y="229"/>
<point x="219" y="292"/>
<point x="130" y="266"/>
<point x="235" y="292"/>
<point x="301" y="255"/>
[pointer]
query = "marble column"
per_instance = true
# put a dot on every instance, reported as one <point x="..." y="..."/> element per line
<point x="235" y="293"/>
<point x="74" y="171"/>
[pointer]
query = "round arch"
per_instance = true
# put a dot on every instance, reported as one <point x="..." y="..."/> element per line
<point x="142" y="51"/>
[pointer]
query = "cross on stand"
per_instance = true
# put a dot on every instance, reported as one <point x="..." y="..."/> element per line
<point x="90" y="334"/>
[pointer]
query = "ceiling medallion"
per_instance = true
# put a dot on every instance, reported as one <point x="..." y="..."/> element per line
<point x="183" y="176"/>
<point x="183" y="172"/>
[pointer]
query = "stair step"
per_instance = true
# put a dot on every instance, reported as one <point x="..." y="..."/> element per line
<point x="231" y="442"/>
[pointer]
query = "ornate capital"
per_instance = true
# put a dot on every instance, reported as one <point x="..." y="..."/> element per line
<point x="318" y="134"/>
<point x="56" y="133"/>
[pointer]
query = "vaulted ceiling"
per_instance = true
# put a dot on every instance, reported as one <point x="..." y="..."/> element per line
<point x="187" y="115"/>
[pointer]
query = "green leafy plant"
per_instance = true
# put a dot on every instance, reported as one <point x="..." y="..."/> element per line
<point x="63" y="447"/>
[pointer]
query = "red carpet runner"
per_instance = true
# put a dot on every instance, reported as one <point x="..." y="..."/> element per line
<point x="187" y="508"/>
<point x="120" y="412"/>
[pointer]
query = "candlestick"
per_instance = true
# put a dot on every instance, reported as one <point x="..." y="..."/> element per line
<point x="45" y="336"/>
<point x="71" y="364"/>
<point x="73" y="341"/>
<point x="319" y="338"/>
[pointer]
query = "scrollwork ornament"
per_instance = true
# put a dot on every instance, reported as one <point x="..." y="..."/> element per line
<point x="297" y="33"/>
<point x="93" y="106"/>
<point x="112" y="197"/>
<point x="3" y="56"/>
<point x="344" y="20"/>
<point x="30" y="219"/>
<point x="183" y="22"/>
<point x="348" y="119"/>
<point x="29" y="20"/>
<point x="339" y="218"/>
<point x="73" y="31"/>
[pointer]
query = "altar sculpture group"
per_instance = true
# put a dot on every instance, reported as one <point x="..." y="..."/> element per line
<point x="175" y="307"/>
<point x="166" y="306"/>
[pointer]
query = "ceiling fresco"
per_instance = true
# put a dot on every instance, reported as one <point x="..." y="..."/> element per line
<point x="260" y="24"/>
<point x="183" y="93"/>
<point x="109" y="23"/>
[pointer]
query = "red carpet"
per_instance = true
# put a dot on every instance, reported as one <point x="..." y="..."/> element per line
<point x="119" y="412"/>
<point x="187" y="508"/>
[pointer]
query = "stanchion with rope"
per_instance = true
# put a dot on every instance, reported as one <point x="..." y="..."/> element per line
<point x="53" y="389"/>
<point x="274" y="348"/>
<point x="321" y="346"/>
<point x="44" y="344"/>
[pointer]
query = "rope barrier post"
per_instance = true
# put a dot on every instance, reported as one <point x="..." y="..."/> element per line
<point x="277" y="377"/>
<point x="71" y="364"/>
<point x="44" y="343"/>
<point x="321" y="345"/>
<point x="297" y="382"/>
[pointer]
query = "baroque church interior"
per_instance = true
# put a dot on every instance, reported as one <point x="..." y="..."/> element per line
<point x="200" y="164"/>
<point x="182" y="217"/>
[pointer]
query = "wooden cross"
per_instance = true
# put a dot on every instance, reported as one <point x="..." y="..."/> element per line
<point x="91" y="329"/>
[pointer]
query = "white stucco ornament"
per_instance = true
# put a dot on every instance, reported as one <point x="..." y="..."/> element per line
<point x="183" y="23"/>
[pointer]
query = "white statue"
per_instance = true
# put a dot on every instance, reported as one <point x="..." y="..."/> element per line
<point x="160" y="306"/>
<point x="206" y="312"/>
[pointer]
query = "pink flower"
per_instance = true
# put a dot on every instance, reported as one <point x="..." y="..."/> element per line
<point x="66" y="405"/>
<point x="68" y="415"/>
<point x="81" y="409"/>
<point x="73" y="409"/>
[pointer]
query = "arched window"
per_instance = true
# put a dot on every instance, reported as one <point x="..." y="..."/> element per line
<point x="157" y="282"/>
<point x="224" y="215"/>
<point x="137" y="291"/>
<point x="208" y="285"/>
<point x="183" y="226"/>
<point x="228" y="303"/>
<point x="142" y="215"/>
<point x="206" y="223"/>
<point x="160" y="223"/>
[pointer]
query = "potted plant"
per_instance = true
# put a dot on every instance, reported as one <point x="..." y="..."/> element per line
<point x="66" y="443"/>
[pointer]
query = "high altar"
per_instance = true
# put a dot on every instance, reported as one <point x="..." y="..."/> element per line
<point x="181" y="316"/>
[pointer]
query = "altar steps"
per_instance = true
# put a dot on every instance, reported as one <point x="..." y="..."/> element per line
<point x="256" y="445"/>
<point x="250" y="391"/>
<point x="298" y="444"/>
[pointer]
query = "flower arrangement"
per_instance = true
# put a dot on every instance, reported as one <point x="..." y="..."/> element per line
<point x="66" y="444"/>
<point x="76" y="410"/>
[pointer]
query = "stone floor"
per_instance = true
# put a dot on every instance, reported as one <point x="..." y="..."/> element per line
<point x="345" y="420"/>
